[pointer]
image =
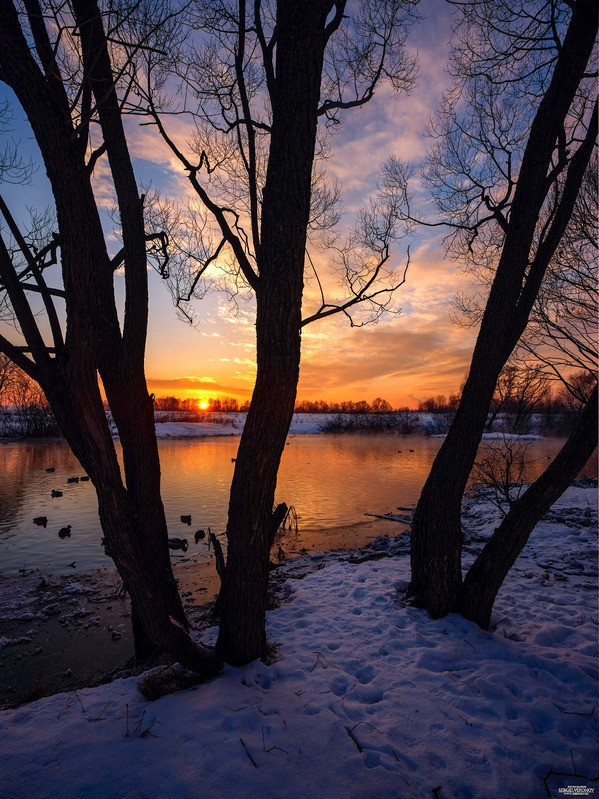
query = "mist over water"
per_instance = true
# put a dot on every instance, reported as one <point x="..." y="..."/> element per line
<point x="331" y="480"/>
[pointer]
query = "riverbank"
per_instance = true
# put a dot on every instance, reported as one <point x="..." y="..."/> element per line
<point x="366" y="695"/>
<point x="64" y="632"/>
<point x="204" y="424"/>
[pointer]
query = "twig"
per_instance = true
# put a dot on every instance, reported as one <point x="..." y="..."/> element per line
<point x="317" y="661"/>
<point x="138" y="727"/>
<point x="270" y="748"/>
<point x="354" y="738"/>
<point x="368" y="724"/>
<point x="101" y="713"/>
<point x="573" y="712"/>
<point x="248" y="753"/>
<point x="66" y="704"/>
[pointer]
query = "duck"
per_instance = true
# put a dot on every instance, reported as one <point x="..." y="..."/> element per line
<point x="55" y="493"/>
<point x="41" y="521"/>
<point x="50" y="469"/>
<point x="199" y="535"/>
<point x="178" y="543"/>
<point x="186" y="519"/>
<point x="65" y="532"/>
<point x="410" y="450"/>
<point x="72" y="479"/>
<point x="85" y="478"/>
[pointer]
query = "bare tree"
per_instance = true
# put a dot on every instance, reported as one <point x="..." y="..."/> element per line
<point x="266" y="74"/>
<point x="520" y="389"/>
<point x="576" y="391"/>
<point x="500" y="471"/>
<point x="560" y="339"/>
<point x="25" y="409"/>
<point x="515" y="140"/>
<point x="562" y="333"/>
<point x="8" y="373"/>
<point x="487" y="574"/>
<point x="56" y="60"/>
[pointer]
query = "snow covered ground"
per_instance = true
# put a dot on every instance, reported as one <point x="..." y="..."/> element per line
<point x="368" y="698"/>
<point x="231" y="424"/>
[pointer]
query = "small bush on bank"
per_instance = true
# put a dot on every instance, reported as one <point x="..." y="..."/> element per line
<point x="402" y="422"/>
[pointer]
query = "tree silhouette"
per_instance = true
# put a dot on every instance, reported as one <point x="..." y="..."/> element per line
<point x="262" y="78"/>
<point x="57" y="63"/>
<point x="515" y="139"/>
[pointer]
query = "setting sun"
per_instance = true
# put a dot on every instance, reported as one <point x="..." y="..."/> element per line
<point x="203" y="405"/>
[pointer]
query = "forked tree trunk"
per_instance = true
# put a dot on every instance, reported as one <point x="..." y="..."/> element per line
<point x="436" y="548"/>
<point x="285" y="215"/>
<point x="436" y="528"/>
<point x="485" y="577"/>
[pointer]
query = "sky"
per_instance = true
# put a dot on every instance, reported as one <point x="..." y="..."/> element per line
<point x="404" y="357"/>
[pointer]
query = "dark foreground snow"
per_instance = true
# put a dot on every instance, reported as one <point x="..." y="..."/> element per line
<point x="368" y="698"/>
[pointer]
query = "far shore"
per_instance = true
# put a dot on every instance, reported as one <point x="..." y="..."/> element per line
<point x="175" y="425"/>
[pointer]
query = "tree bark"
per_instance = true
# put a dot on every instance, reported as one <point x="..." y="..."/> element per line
<point x="436" y="529"/>
<point x="487" y="574"/>
<point x="285" y="212"/>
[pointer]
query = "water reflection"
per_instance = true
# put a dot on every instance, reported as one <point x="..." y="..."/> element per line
<point x="331" y="480"/>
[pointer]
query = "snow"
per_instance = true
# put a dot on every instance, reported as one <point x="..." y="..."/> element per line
<point x="194" y="429"/>
<point x="367" y="697"/>
<point x="231" y="424"/>
<point x="76" y="588"/>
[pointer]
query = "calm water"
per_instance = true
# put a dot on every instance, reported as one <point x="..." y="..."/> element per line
<point x="332" y="480"/>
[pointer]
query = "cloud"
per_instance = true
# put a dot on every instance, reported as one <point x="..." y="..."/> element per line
<point x="190" y="385"/>
<point x="403" y="358"/>
<point x="400" y="360"/>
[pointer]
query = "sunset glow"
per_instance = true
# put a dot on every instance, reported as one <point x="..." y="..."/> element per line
<point x="404" y="358"/>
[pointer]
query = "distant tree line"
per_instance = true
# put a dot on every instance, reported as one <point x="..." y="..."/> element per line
<point x="378" y="405"/>
<point x="24" y="409"/>
<point x="521" y="393"/>
<point x="192" y="405"/>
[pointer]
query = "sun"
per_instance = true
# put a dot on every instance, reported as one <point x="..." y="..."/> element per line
<point x="203" y="405"/>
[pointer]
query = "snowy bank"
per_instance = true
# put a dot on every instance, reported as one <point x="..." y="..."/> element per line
<point x="231" y="424"/>
<point x="367" y="698"/>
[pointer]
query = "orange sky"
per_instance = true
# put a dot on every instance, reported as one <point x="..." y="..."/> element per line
<point x="402" y="358"/>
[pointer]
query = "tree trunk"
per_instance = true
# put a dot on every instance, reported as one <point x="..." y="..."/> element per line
<point x="436" y="549"/>
<point x="132" y="517"/>
<point x="436" y="528"/>
<point x="485" y="577"/>
<point x="285" y="213"/>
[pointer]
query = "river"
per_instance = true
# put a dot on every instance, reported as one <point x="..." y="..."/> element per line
<point x="332" y="481"/>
